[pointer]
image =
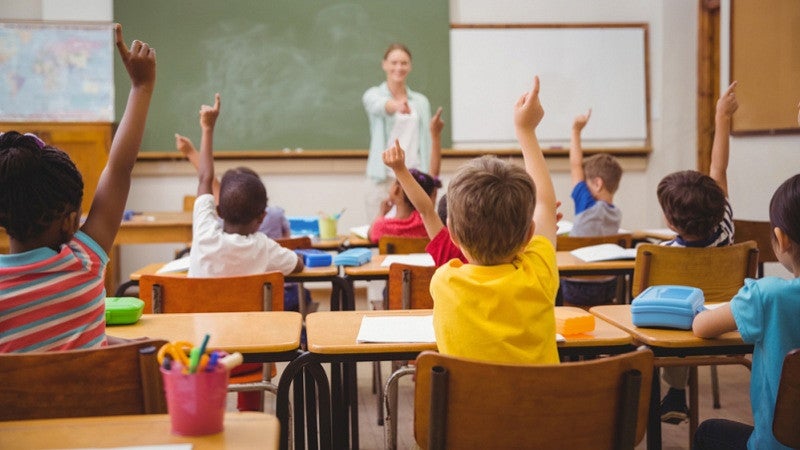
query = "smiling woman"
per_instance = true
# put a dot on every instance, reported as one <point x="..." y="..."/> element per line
<point x="395" y="113"/>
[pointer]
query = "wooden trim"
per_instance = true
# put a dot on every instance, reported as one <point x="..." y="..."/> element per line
<point x="552" y="25"/>
<point x="708" y="69"/>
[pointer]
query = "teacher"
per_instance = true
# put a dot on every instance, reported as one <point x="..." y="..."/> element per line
<point x="395" y="112"/>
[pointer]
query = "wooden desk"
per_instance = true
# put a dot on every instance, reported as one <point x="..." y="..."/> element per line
<point x="260" y="336"/>
<point x="331" y="339"/>
<point x="342" y="295"/>
<point x="243" y="430"/>
<point x="671" y="348"/>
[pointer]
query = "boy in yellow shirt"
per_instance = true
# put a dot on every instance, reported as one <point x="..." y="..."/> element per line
<point x="499" y="307"/>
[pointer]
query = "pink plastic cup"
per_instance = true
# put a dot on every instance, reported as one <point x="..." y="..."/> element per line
<point x="196" y="402"/>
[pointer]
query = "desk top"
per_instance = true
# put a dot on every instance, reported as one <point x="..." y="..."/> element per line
<point x="335" y="332"/>
<point x="308" y="272"/>
<point x="245" y="332"/>
<point x="620" y="315"/>
<point x="565" y="260"/>
<point x="243" y="430"/>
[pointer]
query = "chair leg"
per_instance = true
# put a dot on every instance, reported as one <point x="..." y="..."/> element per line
<point x="715" y="387"/>
<point x="377" y="381"/>
<point x="694" y="414"/>
<point x="390" y="406"/>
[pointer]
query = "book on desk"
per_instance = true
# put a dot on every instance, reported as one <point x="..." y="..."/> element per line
<point x="603" y="252"/>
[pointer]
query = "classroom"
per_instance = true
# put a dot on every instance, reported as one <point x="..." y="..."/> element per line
<point x="306" y="182"/>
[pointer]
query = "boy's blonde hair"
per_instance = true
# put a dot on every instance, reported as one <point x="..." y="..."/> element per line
<point x="604" y="166"/>
<point x="490" y="208"/>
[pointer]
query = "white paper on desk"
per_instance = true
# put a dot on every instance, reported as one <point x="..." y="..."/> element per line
<point x="564" y="227"/>
<point x="603" y="252"/>
<point x="396" y="329"/>
<point x="361" y="231"/>
<point x="560" y="338"/>
<point x="176" y="265"/>
<point x="412" y="259"/>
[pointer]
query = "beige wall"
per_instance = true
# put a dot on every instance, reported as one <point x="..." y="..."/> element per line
<point x="757" y="166"/>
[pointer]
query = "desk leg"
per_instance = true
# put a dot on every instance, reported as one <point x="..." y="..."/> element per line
<point x="338" y="407"/>
<point x="352" y="380"/>
<point x="294" y="374"/>
<point x="654" y="418"/>
<point x="299" y="410"/>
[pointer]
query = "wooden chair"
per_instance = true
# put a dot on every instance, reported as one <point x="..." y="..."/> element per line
<point x="787" y="405"/>
<point x="614" y="283"/>
<point x="293" y="243"/>
<point x="759" y="231"/>
<point x="388" y="245"/>
<point x="115" y="380"/>
<point x="180" y="294"/>
<point x="408" y="288"/>
<point x="599" y="404"/>
<point x="719" y="272"/>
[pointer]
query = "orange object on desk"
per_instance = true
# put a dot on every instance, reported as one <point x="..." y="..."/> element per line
<point x="573" y="321"/>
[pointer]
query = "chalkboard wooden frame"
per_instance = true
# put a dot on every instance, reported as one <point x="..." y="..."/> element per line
<point x="496" y="72"/>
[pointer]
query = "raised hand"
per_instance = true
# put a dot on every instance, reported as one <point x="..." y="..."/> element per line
<point x="184" y="145"/>
<point x="139" y="61"/>
<point x="727" y="103"/>
<point x="209" y="114"/>
<point x="528" y="111"/>
<point x="437" y="123"/>
<point x="394" y="157"/>
<point x="581" y="120"/>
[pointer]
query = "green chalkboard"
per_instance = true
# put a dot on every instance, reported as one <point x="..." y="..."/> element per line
<point x="291" y="72"/>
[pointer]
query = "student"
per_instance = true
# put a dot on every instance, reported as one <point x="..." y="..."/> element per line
<point x="765" y="312"/>
<point x="52" y="294"/>
<point x="407" y="220"/>
<point x="696" y="207"/>
<point x="595" y="180"/>
<point x="275" y="224"/>
<point x="234" y="246"/>
<point x="441" y="248"/>
<point x="512" y="276"/>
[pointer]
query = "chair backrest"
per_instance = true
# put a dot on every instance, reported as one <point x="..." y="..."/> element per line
<point x="599" y="404"/>
<point x="114" y="380"/>
<point x="787" y="405"/>
<point x="180" y="294"/>
<point x="718" y="271"/>
<point x="759" y="231"/>
<point x="293" y="243"/>
<point x="567" y="243"/>
<point x="409" y="286"/>
<point x="188" y="202"/>
<point x="388" y="245"/>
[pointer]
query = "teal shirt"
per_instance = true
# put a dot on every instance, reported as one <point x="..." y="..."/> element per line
<point x="381" y="124"/>
<point x="766" y="313"/>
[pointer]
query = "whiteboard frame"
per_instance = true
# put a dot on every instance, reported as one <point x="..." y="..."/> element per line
<point x="554" y="140"/>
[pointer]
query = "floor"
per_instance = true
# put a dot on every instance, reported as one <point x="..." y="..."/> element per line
<point x="734" y="394"/>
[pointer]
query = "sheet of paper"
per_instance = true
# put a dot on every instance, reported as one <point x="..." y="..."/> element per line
<point x="564" y="227"/>
<point x="414" y="259"/>
<point x="396" y="329"/>
<point x="361" y="231"/>
<point x="176" y="265"/>
<point x="604" y="252"/>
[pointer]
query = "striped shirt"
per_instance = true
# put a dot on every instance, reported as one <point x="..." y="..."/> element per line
<point x="53" y="301"/>
<point x="722" y="235"/>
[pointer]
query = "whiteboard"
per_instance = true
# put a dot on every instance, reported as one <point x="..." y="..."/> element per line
<point x="578" y="67"/>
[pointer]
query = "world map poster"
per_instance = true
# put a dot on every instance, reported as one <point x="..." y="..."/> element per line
<point x="56" y="72"/>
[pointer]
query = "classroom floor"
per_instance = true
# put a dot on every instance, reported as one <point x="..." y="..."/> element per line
<point x="734" y="397"/>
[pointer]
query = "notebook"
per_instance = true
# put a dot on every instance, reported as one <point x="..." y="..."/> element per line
<point x="401" y="329"/>
<point x="412" y="259"/>
<point x="176" y="265"/>
<point x="603" y="252"/>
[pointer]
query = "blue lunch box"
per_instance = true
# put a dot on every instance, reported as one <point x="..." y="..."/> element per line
<point x="667" y="306"/>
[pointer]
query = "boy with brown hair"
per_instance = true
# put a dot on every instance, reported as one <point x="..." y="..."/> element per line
<point x="696" y="207"/>
<point x="499" y="307"/>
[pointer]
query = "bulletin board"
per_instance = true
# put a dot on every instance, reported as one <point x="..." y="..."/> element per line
<point x="765" y="60"/>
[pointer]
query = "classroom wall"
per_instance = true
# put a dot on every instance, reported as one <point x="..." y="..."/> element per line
<point x="757" y="166"/>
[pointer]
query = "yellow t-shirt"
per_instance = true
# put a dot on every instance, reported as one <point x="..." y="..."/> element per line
<point x="503" y="313"/>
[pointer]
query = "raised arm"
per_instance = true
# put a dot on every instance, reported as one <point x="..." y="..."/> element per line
<point x="185" y="146"/>
<point x="436" y="143"/>
<point x="105" y="214"/>
<point x="395" y="159"/>
<point x="205" y="173"/>
<point x="726" y="106"/>
<point x="575" y="149"/>
<point x="528" y="112"/>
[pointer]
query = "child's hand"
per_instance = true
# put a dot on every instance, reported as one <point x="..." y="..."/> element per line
<point x="184" y="145"/>
<point x="559" y="214"/>
<point x="437" y="123"/>
<point x="386" y="206"/>
<point x="581" y="120"/>
<point x="727" y="104"/>
<point x="528" y="111"/>
<point x="209" y="114"/>
<point x="139" y="61"/>
<point x="394" y="157"/>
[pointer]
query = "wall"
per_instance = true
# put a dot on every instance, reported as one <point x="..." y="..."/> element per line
<point x="757" y="166"/>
